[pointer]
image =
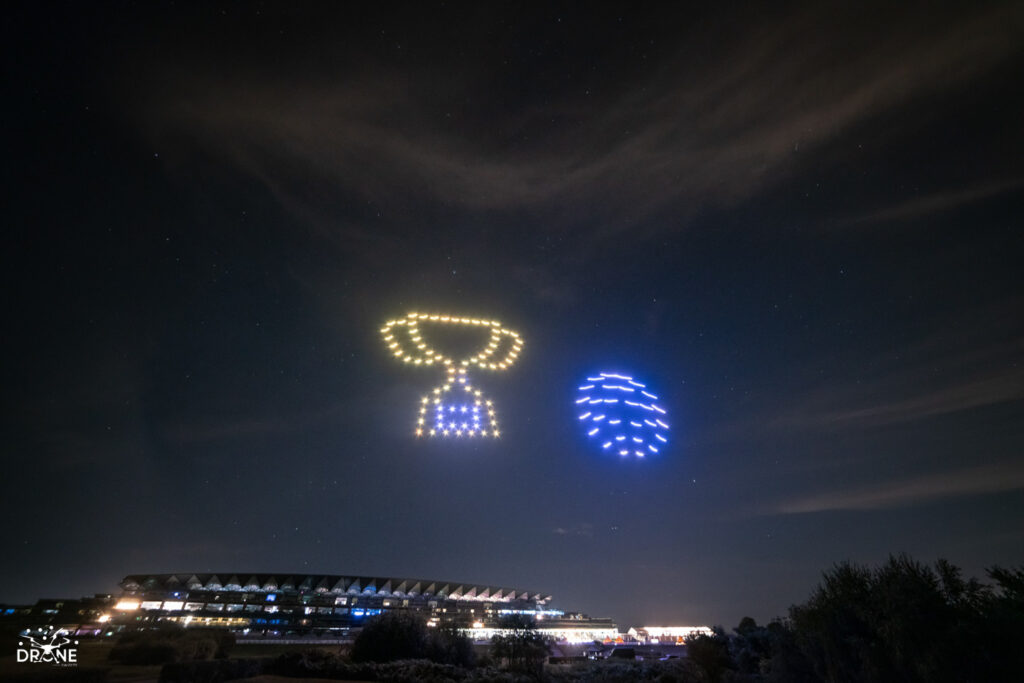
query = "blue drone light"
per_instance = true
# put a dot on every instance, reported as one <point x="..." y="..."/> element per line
<point x="621" y="415"/>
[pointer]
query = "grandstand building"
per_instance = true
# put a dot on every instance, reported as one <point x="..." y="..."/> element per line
<point x="332" y="606"/>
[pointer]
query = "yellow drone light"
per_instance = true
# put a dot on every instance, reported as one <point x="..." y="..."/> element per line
<point x="438" y="412"/>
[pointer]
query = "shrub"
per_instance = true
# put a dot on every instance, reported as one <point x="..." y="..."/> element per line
<point x="397" y="636"/>
<point x="171" y="644"/>
<point x="210" y="671"/>
<point x="447" y="645"/>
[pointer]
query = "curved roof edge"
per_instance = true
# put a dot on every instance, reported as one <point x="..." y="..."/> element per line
<point x="330" y="583"/>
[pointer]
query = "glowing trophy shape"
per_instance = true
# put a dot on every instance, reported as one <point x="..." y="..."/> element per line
<point x="455" y="408"/>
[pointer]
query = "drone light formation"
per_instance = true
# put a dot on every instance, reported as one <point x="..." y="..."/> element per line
<point x="620" y="415"/>
<point x="456" y="408"/>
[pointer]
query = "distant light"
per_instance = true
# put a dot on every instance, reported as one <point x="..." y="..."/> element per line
<point x="127" y="605"/>
<point x="622" y="419"/>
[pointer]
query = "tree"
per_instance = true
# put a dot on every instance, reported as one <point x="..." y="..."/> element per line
<point x="710" y="653"/>
<point x="448" y="644"/>
<point x="906" y="621"/>
<point x="389" y="637"/>
<point x="400" y="635"/>
<point x="520" y="645"/>
<point x="769" y="653"/>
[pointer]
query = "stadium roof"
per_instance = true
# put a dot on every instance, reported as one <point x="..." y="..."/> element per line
<point x="321" y="583"/>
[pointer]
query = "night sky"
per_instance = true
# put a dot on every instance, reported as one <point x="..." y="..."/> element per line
<point x="800" y="224"/>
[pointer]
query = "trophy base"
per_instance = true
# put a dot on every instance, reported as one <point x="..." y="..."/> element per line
<point x="456" y="411"/>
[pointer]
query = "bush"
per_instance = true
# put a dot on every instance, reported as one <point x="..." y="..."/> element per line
<point x="710" y="653"/>
<point x="305" y="663"/>
<point x="625" y="671"/>
<point x="447" y="645"/>
<point x="397" y="636"/>
<point x="210" y="671"/>
<point x="390" y="637"/>
<point x="909" y="622"/>
<point x="521" y="646"/>
<point x="172" y="644"/>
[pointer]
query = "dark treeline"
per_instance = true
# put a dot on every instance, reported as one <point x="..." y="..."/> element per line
<point x="904" y="621"/>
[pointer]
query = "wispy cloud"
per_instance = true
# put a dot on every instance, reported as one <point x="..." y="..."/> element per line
<point x="887" y="406"/>
<point x="684" y="135"/>
<point x="948" y="370"/>
<point x="582" y="529"/>
<point x="914" y="491"/>
<point x="935" y="203"/>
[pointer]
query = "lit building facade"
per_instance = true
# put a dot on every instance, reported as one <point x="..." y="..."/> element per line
<point x="666" y="635"/>
<point x="334" y="606"/>
<point x="81" y="616"/>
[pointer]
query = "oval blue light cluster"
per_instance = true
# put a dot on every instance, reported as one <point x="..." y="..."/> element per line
<point x="621" y="415"/>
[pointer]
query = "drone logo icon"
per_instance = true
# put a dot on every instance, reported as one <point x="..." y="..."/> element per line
<point x="52" y="651"/>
